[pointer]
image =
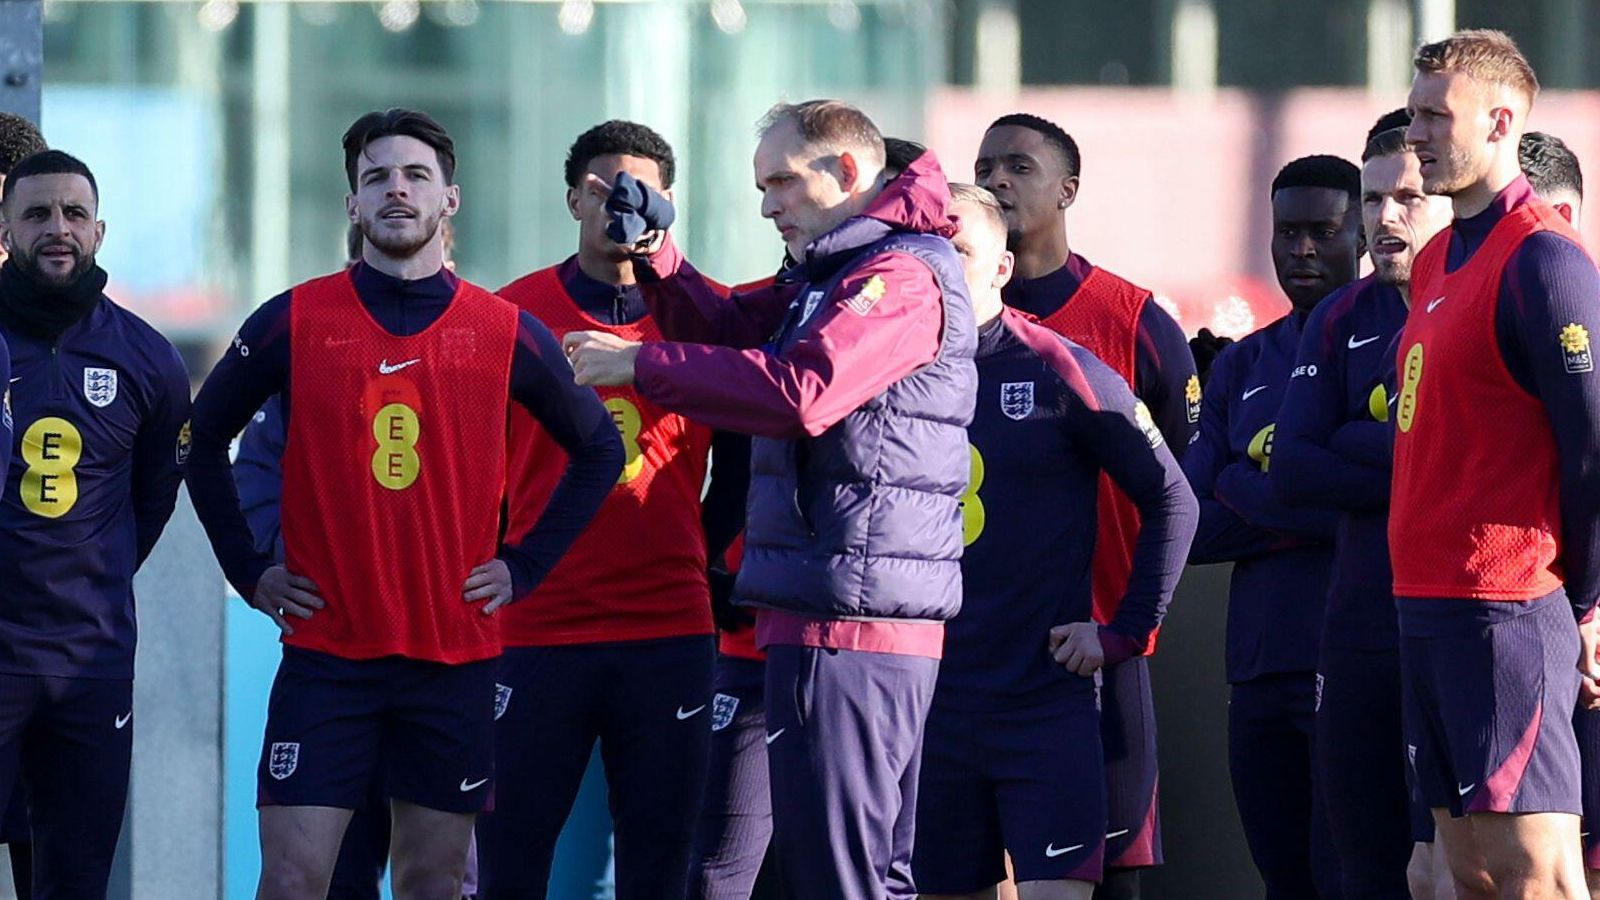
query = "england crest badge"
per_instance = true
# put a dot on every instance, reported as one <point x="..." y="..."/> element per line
<point x="1016" y="399"/>
<point x="502" y="699"/>
<point x="99" y="385"/>
<point x="723" y="708"/>
<point x="283" y="759"/>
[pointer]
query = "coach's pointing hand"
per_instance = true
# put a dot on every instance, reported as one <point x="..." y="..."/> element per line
<point x="280" y="593"/>
<point x="490" y="581"/>
<point x="1076" y="646"/>
<point x="599" y="358"/>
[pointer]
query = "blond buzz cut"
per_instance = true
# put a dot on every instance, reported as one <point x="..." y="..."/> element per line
<point x="1484" y="55"/>
<point x="989" y="207"/>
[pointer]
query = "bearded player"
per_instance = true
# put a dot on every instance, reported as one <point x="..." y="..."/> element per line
<point x="1331" y="451"/>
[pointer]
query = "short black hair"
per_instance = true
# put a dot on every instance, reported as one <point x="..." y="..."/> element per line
<point x="1398" y="118"/>
<point x="48" y="162"/>
<point x="1321" y="170"/>
<point x="620" y="137"/>
<point x="1053" y="135"/>
<point x="1386" y="143"/>
<point x="1550" y="164"/>
<point x="398" y="122"/>
<point x="19" y="139"/>
<point x="899" y="153"/>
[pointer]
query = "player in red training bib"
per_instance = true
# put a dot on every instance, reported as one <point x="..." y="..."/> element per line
<point x="396" y="379"/>
<point x="1032" y="167"/>
<point x="616" y="645"/>
<point x="1494" y="524"/>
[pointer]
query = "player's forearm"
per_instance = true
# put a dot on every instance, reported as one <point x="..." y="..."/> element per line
<point x="1243" y="488"/>
<point x="1167" y="527"/>
<point x="1368" y="443"/>
<point x="1310" y="475"/>
<point x="1221" y="536"/>
<point x="591" y="473"/>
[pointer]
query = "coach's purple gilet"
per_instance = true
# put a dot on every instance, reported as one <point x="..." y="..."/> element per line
<point x="864" y="520"/>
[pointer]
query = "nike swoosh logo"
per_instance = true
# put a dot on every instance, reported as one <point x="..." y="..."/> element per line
<point x="122" y="720"/>
<point x="690" y="714"/>
<point x="1434" y="303"/>
<point x="1252" y="392"/>
<point x="472" y="785"/>
<point x="775" y="735"/>
<point x="1116" y="834"/>
<point x="16" y="379"/>
<point x="1463" y="791"/>
<point x="385" y="369"/>
<point x="1354" y="344"/>
<point x="1051" y="851"/>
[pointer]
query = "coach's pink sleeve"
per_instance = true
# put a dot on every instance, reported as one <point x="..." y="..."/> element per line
<point x="688" y="307"/>
<point x="883" y="324"/>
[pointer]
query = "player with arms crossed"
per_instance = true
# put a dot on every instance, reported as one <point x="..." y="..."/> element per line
<point x="1282" y="554"/>
<point x="1494" y="525"/>
<point x="1012" y="758"/>
<point x="395" y="379"/>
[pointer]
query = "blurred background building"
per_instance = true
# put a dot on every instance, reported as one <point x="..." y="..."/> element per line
<point x="214" y="129"/>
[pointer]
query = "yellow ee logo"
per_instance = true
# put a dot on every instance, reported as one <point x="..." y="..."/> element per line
<point x="972" y="512"/>
<point x="1411" y="375"/>
<point x="630" y="424"/>
<point x="395" y="464"/>
<point x="52" y="448"/>
<point x="1260" y="448"/>
<point x="1378" y="404"/>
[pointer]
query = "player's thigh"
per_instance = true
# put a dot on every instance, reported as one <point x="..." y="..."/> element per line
<point x="989" y="893"/>
<point x="656" y="727"/>
<point x="959" y="849"/>
<point x="1464" y="863"/>
<point x="19" y="696"/>
<point x="429" y="848"/>
<point x="1050" y="788"/>
<point x="75" y="761"/>
<point x="1540" y="840"/>
<point x="438" y="739"/>
<point x="1055" y="890"/>
<point x="298" y="847"/>
<point x="323" y="733"/>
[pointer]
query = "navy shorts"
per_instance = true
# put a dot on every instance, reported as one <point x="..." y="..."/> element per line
<point x="1489" y="694"/>
<point x="1128" y="735"/>
<point x="425" y="730"/>
<point x="1029" y="781"/>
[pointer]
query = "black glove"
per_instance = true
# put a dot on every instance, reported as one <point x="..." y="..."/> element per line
<point x="636" y="209"/>
<point x="727" y="616"/>
<point x="1205" y="346"/>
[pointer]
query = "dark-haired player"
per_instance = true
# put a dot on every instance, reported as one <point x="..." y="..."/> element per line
<point x="1032" y="166"/>
<point x="396" y="379"/>
<point x="735" y="828"/>
<point x="19" y="139"/>
<point x="1012" y="759"/>
<point x="616" y="644"/>
<point x="1331" y="452"/>
<point x="1493" y="519"/>
<point x="1281" y="555"/>
<point x="98" y="400"/>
